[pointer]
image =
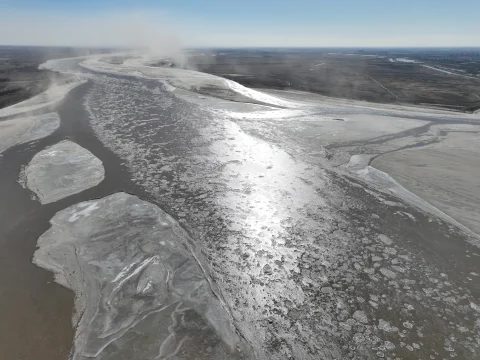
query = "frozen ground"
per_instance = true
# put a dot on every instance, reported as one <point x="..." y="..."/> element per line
<point x="449" y="72"/>
<point x="310" y="260"/>
<point x="62" y="170"/>
<point x="25" y="129"/>
<point x="45" y="100"/>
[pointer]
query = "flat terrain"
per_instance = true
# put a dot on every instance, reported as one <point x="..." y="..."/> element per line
<point x="446" y="174"/>
<point x="20" y="78"/>
<point x="376" y="76"/>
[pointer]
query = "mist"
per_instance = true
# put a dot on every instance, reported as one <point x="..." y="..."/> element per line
<point x="168" y="33"/>
<point x="134" y="30"/>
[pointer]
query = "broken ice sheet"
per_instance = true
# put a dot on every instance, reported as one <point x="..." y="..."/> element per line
<point x="62" y="170"/>
<point x="140" y="294"/>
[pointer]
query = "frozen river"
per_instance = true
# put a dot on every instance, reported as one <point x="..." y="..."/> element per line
<point x="233" y="223"/>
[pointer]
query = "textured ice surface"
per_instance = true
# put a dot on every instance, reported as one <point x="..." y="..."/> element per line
<point x="294" y="248"/>
<point x="292" y="269"/>
<point x="358" y="162"/>
<point x="140" y="292"/>
<point x="386" y="182"/>
<point x="185" y="79"/>
<point x="25" y="129"/>
<point x="62" y="170"/>
<point x="445" y="173"/>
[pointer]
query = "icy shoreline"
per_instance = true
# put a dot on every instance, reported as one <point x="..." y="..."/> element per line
<point x="25" y="129"/>
<point x="49" y="98"/>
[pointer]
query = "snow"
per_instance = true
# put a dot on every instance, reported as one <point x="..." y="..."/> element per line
<point x="358" y="162"/>
<point x="85" y="212"/>
<point x="273" y="114"/>
<point x="448" y="72"/>
<point x="259" y="96"/>
<point x="25" y="129"/>
<point x="52" y="96"/>
<point x="405" y="60"/>
<point x="184" y="79"/>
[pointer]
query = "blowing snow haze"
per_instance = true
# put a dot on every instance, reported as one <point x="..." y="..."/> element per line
<point x="239" y="180"/>
<point x="248" y="23"/>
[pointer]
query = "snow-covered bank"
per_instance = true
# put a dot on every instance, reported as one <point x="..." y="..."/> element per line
<point x="51" y="97"/>
<point x="25" y="129"/>
<point x="185" y="79"/>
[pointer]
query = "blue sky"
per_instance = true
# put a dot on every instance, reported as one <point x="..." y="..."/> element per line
<point x="243" y="23"/>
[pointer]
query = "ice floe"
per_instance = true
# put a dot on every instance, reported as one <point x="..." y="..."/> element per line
<point x="140" y="292"/>
<point x="62" y="170"/>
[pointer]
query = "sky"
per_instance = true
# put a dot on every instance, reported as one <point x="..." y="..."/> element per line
<point x="245" y="23"/>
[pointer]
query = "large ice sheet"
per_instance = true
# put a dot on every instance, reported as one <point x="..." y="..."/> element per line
<point x="62" y="170"/>
<point x="445" y="173"/>
<point x="140" y="292"/>
<point x="385" y="182"/>
<point x="25" y="129"/>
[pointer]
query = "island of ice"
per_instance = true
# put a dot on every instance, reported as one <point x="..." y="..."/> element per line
<point x="141" y="293"/>
<point x="62" y="170"/>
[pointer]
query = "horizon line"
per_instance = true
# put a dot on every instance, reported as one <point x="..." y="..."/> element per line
<point x="356" y="47"/>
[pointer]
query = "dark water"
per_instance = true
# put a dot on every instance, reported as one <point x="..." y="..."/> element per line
<point x="35" y="311"/>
